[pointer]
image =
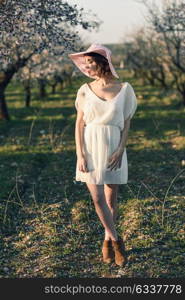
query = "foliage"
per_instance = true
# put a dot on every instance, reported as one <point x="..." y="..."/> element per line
<point x="160" y="56"/>
<point x="30" y="26"/>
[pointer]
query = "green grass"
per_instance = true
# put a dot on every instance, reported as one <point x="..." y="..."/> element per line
<point x="49" y="227"/>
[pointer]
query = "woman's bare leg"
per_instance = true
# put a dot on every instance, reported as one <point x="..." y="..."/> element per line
<point x="102" y="209"/>
<point x="111" y="193"/>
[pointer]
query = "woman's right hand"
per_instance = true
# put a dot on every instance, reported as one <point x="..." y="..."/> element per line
<point x="82" y="164"/>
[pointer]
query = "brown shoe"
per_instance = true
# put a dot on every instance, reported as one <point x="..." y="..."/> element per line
<point x="107" y="251"/>
<point x="120" y="254"/>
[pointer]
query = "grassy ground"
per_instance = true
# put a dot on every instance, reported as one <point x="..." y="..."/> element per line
<point x="48" y="222"/>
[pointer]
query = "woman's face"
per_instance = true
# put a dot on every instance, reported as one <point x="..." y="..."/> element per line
<point x="91" y="66"/>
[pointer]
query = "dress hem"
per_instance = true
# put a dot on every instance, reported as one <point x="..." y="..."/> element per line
<point x="99" y="183"/>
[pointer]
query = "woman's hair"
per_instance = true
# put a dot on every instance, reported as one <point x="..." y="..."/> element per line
<point x="102" y="63"/>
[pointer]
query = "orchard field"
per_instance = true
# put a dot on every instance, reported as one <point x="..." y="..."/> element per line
<point x="49" y="227"/>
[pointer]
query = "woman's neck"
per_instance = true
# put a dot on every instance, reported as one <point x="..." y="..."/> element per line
<point x="104" y="81"/>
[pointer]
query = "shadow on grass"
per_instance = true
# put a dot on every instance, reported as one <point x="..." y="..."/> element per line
<point x="40" y="233"/>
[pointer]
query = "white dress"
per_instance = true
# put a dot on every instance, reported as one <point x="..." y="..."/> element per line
<point x="104" y="120"/>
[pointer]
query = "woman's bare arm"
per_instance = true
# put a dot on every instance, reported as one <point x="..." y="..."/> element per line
<point x="124" y="135"/>
<point x="114" y="160"/>
<point x="79" y="134"/>
<point x="79" y="139"/>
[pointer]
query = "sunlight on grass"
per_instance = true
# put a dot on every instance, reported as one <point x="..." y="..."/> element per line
<point x="47" y="118"/>
<point x="48" y="221"/>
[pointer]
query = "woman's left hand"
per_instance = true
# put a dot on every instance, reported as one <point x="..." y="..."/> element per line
<point x="115" y="159"/>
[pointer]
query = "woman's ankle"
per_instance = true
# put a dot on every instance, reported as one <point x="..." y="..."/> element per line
<point x="115" y="238"/>
<point x="107" y="236"/>
<point x="111" y="237"/>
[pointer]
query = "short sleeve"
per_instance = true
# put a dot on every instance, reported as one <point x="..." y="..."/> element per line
<point x="80" y="99"/>
<point x="130" y="103"/>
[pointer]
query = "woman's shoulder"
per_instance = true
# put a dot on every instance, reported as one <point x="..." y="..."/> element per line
<point x="124" y="83"/>
<point x="128" y="84"/>
<point x="82" y="87"/>
<point x="82" y="90"/>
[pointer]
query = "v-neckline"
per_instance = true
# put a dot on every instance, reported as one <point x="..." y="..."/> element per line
<point x="103" y="100"/>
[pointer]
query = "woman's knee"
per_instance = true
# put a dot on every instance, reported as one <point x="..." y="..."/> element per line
<point x="98" y="198"/>
<point x="112" y="203"/>
<point x="111" y="188"/>
<point x="111" y="192"/>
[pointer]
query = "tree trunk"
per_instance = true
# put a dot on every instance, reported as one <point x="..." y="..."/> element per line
<point x="69" y="81"/>
<point x="27" y="93"/>
<point x="182" y="92"/>
<point x="149" y="77"/>
<point x="42" y="88"/>
<point x="160" y="76"/>
<point x="163" y="77"/>
<point x="183" y="98"/>
<point x="179" y="84"/>
<point x="61" y="84"/>
<point x="5" y="79"/>
<point x="4" y="115"/>
<point x="53" y="86"/>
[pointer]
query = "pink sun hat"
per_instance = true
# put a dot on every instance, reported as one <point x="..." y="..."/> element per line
<point x="79" y="58"/>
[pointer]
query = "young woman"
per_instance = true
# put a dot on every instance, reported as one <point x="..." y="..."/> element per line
<point x="104" y="109"/>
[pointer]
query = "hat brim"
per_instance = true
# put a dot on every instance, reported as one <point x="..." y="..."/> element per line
<point x="79" y="61"/>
